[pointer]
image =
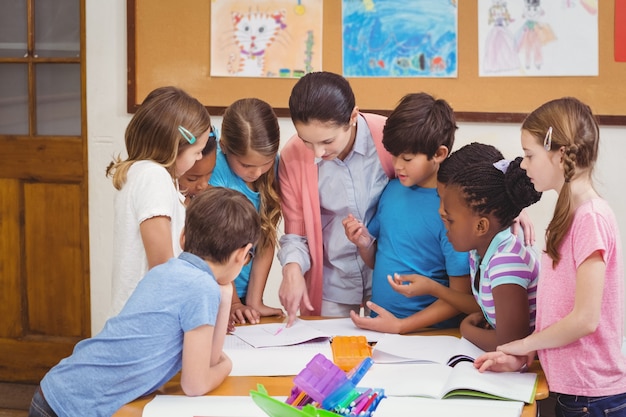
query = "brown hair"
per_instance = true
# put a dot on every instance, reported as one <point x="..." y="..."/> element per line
<point x="575" y="129"/>
<point x="250" y="124"/>
<point x="218" y="222"/>
<point x="419" y="124"/>
<point x="152" y="134"/>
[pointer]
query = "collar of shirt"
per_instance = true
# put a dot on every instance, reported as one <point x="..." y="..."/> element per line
<point x="493" y="248"/>
<point x="196" y="261"/>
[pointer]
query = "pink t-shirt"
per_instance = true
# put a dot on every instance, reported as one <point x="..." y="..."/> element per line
<point x="593" y="365"/>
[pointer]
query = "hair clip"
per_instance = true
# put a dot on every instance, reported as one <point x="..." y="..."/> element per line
<point x="187" y="135"/>
<point x="547" y="141"/>
<point x="502" y="165"/>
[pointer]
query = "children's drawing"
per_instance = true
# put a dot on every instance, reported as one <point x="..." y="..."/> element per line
<point x="399" y="38"/>
<point x="500" y="48"/>
<point x="272" y="38"/>
<point x="538" y="37"/>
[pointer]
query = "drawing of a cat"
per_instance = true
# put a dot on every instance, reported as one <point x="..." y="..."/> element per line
<point x="254" y="32"/>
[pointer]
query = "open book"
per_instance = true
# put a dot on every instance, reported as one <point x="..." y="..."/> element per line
<point x="441" y="367"/>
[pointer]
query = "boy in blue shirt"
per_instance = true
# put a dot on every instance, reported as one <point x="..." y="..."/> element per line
<point x="406" y="238"/>
<point x="175" y="320"/>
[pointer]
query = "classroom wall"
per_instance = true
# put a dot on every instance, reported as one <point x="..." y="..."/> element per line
<point x="107" y="120"/>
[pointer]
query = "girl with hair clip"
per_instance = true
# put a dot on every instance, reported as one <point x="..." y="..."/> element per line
<point x="580" y="301"/>
<point x="164" y="139"/>
<point x="481" y="195"/>
<point x="246" y="161"/>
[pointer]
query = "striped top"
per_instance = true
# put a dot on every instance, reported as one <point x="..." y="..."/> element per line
<point x="507" y="261"/>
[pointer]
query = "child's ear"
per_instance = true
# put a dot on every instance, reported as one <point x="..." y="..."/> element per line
<point x="354" y="115"/>
<point x="441" y="154"/>
<point x="482" y="227"/>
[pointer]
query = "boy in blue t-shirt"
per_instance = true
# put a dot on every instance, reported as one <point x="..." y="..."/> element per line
<point x="175" y="320"/>
<point x="406" y="240"/>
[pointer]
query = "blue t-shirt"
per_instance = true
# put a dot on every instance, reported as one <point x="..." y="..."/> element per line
<point x="411" y="240"/>
<point x="140" y="349"/>
<point x="223" y="176"/>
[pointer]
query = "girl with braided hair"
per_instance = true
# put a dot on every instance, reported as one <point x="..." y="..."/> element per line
<point x="481" y="195"/>
<point x="580" y="302"/>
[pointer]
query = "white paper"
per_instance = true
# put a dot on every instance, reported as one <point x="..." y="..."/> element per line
<point x="395" y="348"/>
<point x="272" y="361"/>
<point x="344" y="327"/>
<point x="278" y="334"/>
<point x="210" y="405"/>
<point x="398" y="406"/>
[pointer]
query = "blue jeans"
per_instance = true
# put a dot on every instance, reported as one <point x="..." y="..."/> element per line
<point x="579" y="406"/>
<point x="39" y="407"/>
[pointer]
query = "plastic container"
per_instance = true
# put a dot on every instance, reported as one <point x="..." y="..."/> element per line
<point x="349" y="351"/>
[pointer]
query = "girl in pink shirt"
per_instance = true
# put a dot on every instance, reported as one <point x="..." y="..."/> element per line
<point x="580" y="304"/>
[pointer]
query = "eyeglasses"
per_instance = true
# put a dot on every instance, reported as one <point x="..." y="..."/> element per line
<point x="249" y="256"/>
<point x="547" y="141"/>
<point x="187" y="135"/>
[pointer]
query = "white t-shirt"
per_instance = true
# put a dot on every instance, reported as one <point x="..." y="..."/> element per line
<point x="148" y="192"/>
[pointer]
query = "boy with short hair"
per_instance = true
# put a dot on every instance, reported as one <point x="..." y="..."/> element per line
<point x="406" y="237"/>
<point x="176" y="319"/>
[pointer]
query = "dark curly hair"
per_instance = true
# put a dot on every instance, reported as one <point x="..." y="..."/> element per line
<point x="486" y="188"/>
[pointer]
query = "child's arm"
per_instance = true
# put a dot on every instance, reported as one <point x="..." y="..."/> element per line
<point x="205" y="365"/>
<point x="156" y="235"/>
<point x="512" y="319"/>
<point x="357" y="233"/>
<point x="415" y="284"/>
<point x="581" y="321"/>
<point x="259" y="273"/>
<point x="433" y="314"/>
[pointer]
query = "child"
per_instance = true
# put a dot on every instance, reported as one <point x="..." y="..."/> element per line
<point x="410" y="237"/>
<point x="580" y="298"/>
<point x="246" y="162"/>
<point x="196" y="179"/>
<point x="175" y="320"/>
<point x="334" y="166"/>
<point x="163" y="140"/>
<point x="481" y="195"/>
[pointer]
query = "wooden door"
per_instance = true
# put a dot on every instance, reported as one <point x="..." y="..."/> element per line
<point x="44" y="253"/>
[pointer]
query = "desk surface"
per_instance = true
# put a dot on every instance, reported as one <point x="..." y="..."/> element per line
<point x="281" y="385"/>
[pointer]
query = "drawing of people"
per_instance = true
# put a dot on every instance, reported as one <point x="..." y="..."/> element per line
<point x="500" y="53"/>
<point x="533" y="34"/>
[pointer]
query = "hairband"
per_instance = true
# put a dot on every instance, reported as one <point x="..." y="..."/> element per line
<point x="502" y="165"/>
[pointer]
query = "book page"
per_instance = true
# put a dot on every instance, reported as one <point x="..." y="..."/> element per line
<point x="408" y="379"/>
<point x="272" y="361"/>
<point x="278" y="334"/>
<point x="398" y="406"/>
<point x="344" y="327"/>
<point x="209" y="405"/>
<point x="506" y="385"/>
<point x="395" y="348"/>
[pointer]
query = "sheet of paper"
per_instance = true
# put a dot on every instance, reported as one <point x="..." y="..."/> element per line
<point x="344" y="327"/>
<point x="203" y="406"/>
<point x="277" y="334"/>
<point x="395" y="348"/>
<point x="398" y="406"/>
<point x="272" y="361"/>
<point x="407" y="379"/>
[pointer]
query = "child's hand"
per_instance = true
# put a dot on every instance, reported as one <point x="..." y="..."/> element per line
<point x="385" y="322"/>
<point x="501" y="362"/>
<point x="417" y="284"/>
<point x="523" y="221"/>
<point x="267" y="311"/>
<point x="476" y="319"/>
<point x="241" y="314"/>
<point x="356" y="232"/>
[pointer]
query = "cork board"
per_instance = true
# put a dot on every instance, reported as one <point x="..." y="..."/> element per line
<point x="168" y="44"/>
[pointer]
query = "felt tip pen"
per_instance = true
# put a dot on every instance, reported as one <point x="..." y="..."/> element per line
<point x="366" y="407"/>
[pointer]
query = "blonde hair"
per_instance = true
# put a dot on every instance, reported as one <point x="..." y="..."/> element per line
<point x="575" y="129"/>
<point x="251" y="124"/>
<point x="153" y="134"/>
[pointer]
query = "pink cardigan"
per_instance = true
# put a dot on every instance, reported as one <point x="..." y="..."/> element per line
<point x="297" y="174"/>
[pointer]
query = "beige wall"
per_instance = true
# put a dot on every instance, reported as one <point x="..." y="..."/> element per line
<point x="107" y="119"/>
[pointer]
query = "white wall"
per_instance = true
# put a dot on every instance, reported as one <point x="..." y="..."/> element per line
<point x="107" y="119"/>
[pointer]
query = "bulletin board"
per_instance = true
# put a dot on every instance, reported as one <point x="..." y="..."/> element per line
<point x="169" y="41"/>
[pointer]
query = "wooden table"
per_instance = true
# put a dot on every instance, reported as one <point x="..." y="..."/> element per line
<point x="281" y="385"/>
